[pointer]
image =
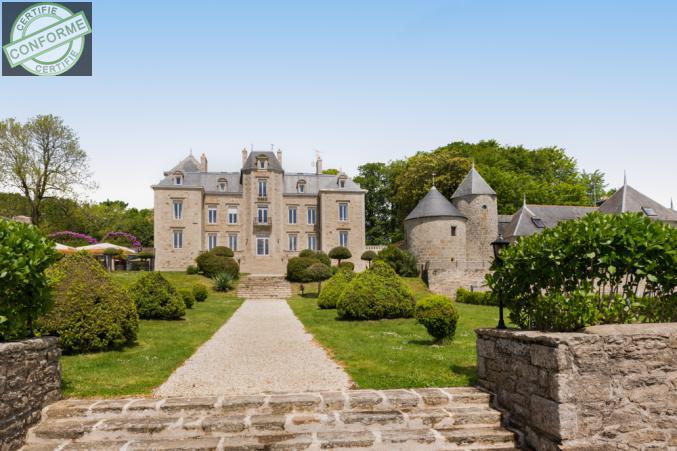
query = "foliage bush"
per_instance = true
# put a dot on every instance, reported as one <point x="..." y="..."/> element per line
<point x="475" y="297"/>
<point x="334" y="288"/>
<point x="72" y="239"/>
<point x="318" y="272"/>
<point x="340" y="253"/>
<point x="122" y="239"/>
<point x="91" y="311"/>
<point x="403" y="262"/>
<point x="438" y="315"/>
<point x="25" y="255"/>
<point x="191" y="270"/>
<point x="188" y="297"/>
<point x="223" y="282"/>
<point x="374" y="294"/>
<point x="211" y="264"/>
<point x="156" y="298"/>
<point x="349" y="266"/>
<point x="200" y="293"/>
<point x="222" y="251"/>
<point x="600" y="269"/>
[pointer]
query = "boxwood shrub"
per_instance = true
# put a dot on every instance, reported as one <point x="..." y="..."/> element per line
<point x="475" y="297"/>
<point x="374" y="294"/>
<point x="156" y="298"/>
<point x="333" y="289"/>
<point x="438" y="315"/>
<point x="91" y="311"/>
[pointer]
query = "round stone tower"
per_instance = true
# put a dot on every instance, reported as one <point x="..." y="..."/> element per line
<point x="436" y="232"/>
<point x="475" y="199"/>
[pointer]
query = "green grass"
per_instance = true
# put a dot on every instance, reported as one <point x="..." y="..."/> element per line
<point x="397" y="353"/>
<point x="162" y="346"/>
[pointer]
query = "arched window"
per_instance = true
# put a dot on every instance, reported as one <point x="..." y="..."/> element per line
<point x="301" y="186"/>
<point x="221" y="185"/>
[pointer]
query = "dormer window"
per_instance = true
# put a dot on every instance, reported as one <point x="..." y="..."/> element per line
<point x="301" y="186"/>
<point x="261" y="163"/>
<point x="178" y="179"/>
<point x="221" y="185"/>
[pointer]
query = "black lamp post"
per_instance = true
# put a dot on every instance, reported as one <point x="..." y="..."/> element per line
<point x="499" y="244"/>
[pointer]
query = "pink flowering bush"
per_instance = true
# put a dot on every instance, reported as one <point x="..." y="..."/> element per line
<point x="73" y="239"/>
<point x="122" y="239"/>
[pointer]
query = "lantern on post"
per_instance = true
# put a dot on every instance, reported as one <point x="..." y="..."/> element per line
<point x="498" y="245"/>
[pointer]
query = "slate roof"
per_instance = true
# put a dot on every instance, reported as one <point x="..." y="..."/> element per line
<point x="273" y="162"/>
<point x="522" y="222"/>
<point x="629" y="199"/>
<point x="434" y="204"/>
<point x="472" y="184"/>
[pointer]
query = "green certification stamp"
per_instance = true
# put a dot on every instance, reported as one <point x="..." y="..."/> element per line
<point x="47" y="39"/>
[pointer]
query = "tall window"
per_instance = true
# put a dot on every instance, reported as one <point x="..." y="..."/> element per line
<point x="312" y="242"/>
<point x="262" y="245"/>
<point x="211" y="241"/>
<point x="263" y="188"/>
<point x="292" y="215"/>
<point x="312" y="215"/>
<point x="343" y="238"/>
<point x="293" y="242"/>
<point x="343" y="211"/>
<point x="232" y="241"/>
<point x="232" y="215"/>
<point x="262" y="216"/>
<point x="177" y="237"/>
<point x="211" y="215"/>
<point x="178" y="209"/>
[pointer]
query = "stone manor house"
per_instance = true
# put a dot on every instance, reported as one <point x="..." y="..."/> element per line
<point x="264" y="214"/>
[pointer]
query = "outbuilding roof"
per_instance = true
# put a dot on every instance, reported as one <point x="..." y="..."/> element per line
<point x="434" y="204"/>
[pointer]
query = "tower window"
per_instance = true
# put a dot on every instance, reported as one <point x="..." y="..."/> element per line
<point x="453" y="230"/>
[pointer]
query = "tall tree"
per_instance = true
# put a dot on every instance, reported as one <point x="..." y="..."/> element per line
<point x="41" y="159"/>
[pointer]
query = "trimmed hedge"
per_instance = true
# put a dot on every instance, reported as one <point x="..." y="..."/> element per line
<point x="475" y="297"/>
<point x="156" y="298"/>
<point x="438" y="315"/>
<point x="334" y="288"/>
<point x="374" y="294"/>
<point x="91" y="311"/>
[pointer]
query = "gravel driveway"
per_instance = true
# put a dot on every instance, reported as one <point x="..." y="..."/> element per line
<point x="262" y="348"/>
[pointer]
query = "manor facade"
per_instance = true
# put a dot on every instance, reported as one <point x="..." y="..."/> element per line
<point x="264" y="214"/>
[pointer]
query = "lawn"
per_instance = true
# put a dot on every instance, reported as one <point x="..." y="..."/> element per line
<point x="397" y="353"/>
<point x="162" y="346"/>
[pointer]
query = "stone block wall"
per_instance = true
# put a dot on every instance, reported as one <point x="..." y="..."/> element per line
<point x="608" y="387"/>
<point x="30" y="378"/>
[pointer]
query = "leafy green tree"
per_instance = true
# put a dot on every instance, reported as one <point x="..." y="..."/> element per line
<point x="41" y="158"/>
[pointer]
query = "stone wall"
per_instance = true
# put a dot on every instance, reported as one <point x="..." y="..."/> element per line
<point x="30" y="378"/>
<point x="608" y="387"/>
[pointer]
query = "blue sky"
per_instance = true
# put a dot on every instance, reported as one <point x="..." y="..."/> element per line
<point x="367" y="81"/>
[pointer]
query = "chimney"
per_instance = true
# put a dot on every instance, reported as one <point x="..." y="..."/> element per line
<point x="318" y="165"/>
<point x="203" y="162"/>
<point x="279" y="156"/>
<point x="244" y="156"/>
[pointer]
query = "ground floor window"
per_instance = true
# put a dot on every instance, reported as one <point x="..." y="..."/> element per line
<point x="343" y="238"/>
<point x="262" y="245"/>
<point x="293" y="242"/>
<point x="211" y="241"/>
<point x="177" y="236"/>
<point x="232" y="241"/>
<point x="312" y="242"/>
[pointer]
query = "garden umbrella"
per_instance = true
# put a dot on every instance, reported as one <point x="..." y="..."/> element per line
<point x="64" y="249"/>
<point x="99" y="248"/>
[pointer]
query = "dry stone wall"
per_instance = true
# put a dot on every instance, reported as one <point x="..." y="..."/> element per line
<point x="30" y="378"/>
<point x="609" y="387"/>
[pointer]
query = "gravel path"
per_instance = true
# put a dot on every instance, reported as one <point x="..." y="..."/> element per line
<point x="262" y="348"/>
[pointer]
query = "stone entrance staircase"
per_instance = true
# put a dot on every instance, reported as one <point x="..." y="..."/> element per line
<point x="425" y="419"/>
<point x="264" y="287"/>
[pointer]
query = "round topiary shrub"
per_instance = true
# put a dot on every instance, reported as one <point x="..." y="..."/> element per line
<point x="375" y="294"/>
<point x="188" y="297"/>
<point x="334" y="288"/>
<point x="340" y="253"/>
<point x="222" y="251"/>
<point x="200" y="293"/>
<point x="25" y="255"/>
<point x="211" y="264"/>
<point x="403" y="262"/>
<point x="91" y="311"/>
<point x="156" y="298"/>
<point x="296" y="268"/>
<point x="438" y="315"/>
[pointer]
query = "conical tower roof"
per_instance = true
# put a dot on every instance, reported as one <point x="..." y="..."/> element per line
<point x="472" y="184"/>
<point x="434" y="204"/>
